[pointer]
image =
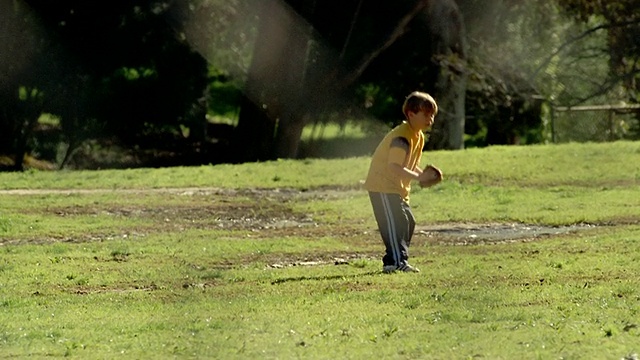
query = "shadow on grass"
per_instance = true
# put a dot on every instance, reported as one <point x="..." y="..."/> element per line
<point x="325" y="277"/>
<point x="338" y="147"/>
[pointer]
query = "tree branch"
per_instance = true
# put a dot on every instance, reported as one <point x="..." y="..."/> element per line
<point x="395" y="34"/>
<point x="351" y="27"/>
<point x="586" y="33"/>
<point x="606" y="87"/>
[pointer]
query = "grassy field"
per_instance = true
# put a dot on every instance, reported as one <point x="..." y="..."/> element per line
<point x="281" y="260"/>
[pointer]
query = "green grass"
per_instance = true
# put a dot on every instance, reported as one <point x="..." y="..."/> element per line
<point x="281" y="260"/>
<point x="590" y="165"/>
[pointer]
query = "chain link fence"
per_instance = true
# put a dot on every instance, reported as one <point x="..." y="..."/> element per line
<point x="597" y="123"/>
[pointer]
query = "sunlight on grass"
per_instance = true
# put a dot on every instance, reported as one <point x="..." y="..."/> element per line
<point x="332" y="130"/>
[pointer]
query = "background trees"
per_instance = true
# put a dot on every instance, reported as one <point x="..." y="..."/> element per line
<point x="23" y="67"/>
<point x="152" y="74"/>
<point x="105" y="71"/>
<point x="619" y="23"/>
<point x="298" y="73"/>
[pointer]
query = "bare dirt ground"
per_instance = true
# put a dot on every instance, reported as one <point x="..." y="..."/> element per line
<point x="268" y="215"/>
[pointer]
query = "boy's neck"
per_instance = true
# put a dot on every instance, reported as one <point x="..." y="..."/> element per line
<point x="412" y="126"/>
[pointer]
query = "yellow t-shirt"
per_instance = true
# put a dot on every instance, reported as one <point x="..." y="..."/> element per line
<point x="402" y="145"/>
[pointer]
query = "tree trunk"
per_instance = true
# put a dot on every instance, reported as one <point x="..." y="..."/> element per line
<point x="449" y="51"/>
<point x="6" y="138"/>
<point x="291" y="120"/>
<point x="254" y="134"/>
<point x="271" y="118"/>
<point x="21" y="147"/>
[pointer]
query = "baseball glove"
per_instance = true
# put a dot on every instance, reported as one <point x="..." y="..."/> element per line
<point x="433" y="176"/>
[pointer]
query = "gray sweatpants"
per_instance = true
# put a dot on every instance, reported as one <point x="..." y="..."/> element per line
<point x="396" y="224"/>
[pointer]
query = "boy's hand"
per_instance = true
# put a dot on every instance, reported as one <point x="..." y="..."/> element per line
<point x="430" y="176"/>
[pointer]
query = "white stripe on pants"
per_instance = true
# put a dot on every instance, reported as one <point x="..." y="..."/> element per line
<point x="396" y="224"/>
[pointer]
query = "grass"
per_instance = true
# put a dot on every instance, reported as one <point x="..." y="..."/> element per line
<point x="280" y="260"/>
<point x="591" y="165"/>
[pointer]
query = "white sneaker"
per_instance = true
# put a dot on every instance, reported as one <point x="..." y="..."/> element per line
<point x="408" y="268"/>
<point x="387" y="269"/>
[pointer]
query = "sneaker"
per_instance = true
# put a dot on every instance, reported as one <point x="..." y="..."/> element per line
<point x="408" y="268"/>
<point x="387" y="269"/>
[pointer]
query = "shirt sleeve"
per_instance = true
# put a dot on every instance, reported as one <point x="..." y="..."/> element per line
<point x="398" y="151"/>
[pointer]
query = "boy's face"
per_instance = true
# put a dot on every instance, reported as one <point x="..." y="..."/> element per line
<point x="421" y="120"/>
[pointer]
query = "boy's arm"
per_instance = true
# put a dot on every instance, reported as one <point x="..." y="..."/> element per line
<point x="405" y="173"/>
<point x="397" y="155"/>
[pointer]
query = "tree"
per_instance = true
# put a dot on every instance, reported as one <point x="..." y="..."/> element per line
<point x="344" y="53"/>
<point x="421" y="46"/>
<point x="148" y="78"/>
<point x="136" y="71"/>
<point x="450" y="53"/>
<point x="621" y="21"/>
<point x="271" y="117"/>
<point x="507" y="38"/>
<point x="26" y="58"/>
<point x="110" y="71"/>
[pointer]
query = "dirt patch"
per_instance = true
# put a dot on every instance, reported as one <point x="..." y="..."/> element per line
<point x="470" y="234"/>
<point x="265" y="213"/>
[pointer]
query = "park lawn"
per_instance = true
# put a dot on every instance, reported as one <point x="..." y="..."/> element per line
<point x="281" y="260"/>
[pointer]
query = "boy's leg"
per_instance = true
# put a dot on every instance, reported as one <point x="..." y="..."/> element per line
<point x="411" y="221"/>
<point x="396" y="224"/>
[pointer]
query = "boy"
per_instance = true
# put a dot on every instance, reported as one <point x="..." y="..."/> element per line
<point x="395" y="163"/>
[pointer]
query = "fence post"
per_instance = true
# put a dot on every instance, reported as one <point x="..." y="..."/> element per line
<point x="553" y="124"/>
<point x="611" y="126"/>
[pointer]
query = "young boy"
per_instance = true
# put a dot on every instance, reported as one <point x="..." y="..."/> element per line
<point x="395" y="163"/>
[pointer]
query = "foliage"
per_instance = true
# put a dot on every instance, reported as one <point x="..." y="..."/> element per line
<point x="221" y="31"/>
<point x="144" y="74"/>
<point x="621" y="21"/>
<point x="119" y="70"/>
<point x="26" y="56"/>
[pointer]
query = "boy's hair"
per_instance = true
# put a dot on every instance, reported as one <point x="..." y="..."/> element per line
<point x="419" y="101"/>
